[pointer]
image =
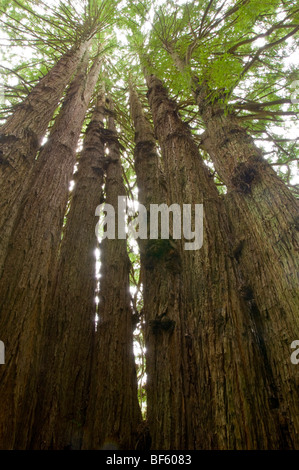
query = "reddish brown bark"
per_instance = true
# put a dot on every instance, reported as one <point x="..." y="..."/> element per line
<point x="264" y="218"/>
<point x="31" y="261"/>
<point x="70" y="318"/>
<point x="114" y="414"/>
<point x="226" y="391"/>
<point x="21" y="137"/>
<point x="161" y="296"/>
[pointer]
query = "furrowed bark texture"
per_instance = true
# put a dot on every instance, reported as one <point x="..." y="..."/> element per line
<point x="114" y="415"/>
<point x="161" y="297"/>
<point x="264" y="218"/>
<point x="30" y="264"/>
<point x="21" y="137"/>
<point x="70" y="318"/>
<point x="226" y="390"/>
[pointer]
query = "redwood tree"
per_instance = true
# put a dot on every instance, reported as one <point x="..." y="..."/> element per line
<point x="218" y="321"/>
<point x="162" y="285"/>
<point x="70" y="306"/>
<point x="21" y="137"/>
<point x="114" y="416"/>
<point x="262" y="209"/>
<point x="263" y="214"/>
<point x="222" y="360"/>
<point x="28" y="269"/>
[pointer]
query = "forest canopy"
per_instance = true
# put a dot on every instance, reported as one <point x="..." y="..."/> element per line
<point x="250" y="50"/>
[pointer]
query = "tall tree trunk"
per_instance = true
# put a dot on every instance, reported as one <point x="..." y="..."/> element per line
<point x="114" y="414"/>
<point x="161" y="296"/>
<point x="21" y="137"/>
<point x="264" y="218"/>
<point x="226" y="390"/>
<point x="31" y="262"/>
<point x="70" y="319"/>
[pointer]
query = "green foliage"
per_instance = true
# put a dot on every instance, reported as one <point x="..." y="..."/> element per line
<point x="238" y="48"/>
<point x="223" y="70"/>
<point x="241" y="51"/>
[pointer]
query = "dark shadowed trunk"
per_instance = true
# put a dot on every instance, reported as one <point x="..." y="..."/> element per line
<point x="264" y="219"/>
<point x="21" y="137"/>
<point x="114" y="414"/>
<point x="70" y="318"/>
<point x="162" y="287"/>
<point x="30" y="264"/>
<point x="227" y="393"/>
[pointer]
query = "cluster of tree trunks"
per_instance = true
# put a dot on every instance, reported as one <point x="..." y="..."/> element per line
<point x="30" y="263"/>
<point x="231" y="380"/>
<point x="21" y="137"/>
<point x="219" y="321"/>
<point x="114" y="415"/>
